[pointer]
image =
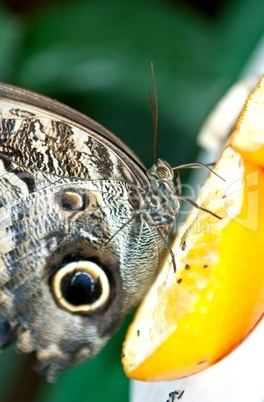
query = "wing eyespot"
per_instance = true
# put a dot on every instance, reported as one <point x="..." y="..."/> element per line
<point x="70" y="200"/>
<point x="80" y="287"/>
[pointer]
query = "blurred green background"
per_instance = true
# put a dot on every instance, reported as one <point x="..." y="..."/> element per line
<point x="95" y="56"/>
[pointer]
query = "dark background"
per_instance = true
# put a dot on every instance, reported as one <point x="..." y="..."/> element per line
<point x="95" y="56"/>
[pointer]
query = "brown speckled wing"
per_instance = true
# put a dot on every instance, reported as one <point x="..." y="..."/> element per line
<point x="78" y="242"/>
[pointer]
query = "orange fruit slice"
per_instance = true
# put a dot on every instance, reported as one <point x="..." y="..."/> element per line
<point x="192" y="319"/>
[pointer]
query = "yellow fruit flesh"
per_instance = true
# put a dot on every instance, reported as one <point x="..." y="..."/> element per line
<point x="192" y="319"/>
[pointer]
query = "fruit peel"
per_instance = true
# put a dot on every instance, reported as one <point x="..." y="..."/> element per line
<point x="199" y="315"/>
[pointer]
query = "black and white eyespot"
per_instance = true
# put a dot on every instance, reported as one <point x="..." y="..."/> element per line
<point x="80" y="287"/>
<point x="71" y="200"/>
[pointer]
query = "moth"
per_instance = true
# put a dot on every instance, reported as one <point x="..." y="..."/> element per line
<point x="82" y="229"/>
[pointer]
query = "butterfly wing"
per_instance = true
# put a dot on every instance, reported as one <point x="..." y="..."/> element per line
<point x="60" y="140"/>
<point x="76" y="254"/>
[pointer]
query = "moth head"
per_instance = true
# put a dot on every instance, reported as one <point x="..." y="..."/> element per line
<point x="162" y="171"/>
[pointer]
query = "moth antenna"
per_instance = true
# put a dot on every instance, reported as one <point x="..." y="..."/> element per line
<point x="155" y="111"/>
<point x="196" y="165"/>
